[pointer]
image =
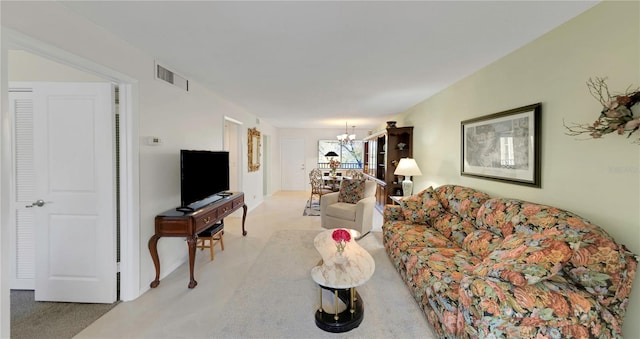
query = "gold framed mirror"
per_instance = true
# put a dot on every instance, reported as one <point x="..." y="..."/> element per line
<point x="254" y="149"/>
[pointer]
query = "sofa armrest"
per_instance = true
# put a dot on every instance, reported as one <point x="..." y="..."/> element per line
<point x="392" y="213"/>
<point x="552" y="308"/>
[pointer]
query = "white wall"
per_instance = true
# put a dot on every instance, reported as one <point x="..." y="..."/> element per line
<point x="181" y="119"/>
<point x="597" y="179"/>
<point x="311" y="137"/>
<point x="25" y="66"/>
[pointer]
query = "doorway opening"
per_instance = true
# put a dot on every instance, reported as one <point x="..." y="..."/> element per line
<point x="127" y="175"/>
<point x="39" y="109"/>
<point x="233" y="143"/>
<point x="54" y="113"/>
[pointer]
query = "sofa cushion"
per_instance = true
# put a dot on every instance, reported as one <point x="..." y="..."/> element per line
<point x="507" y="216"/>
<point x="421" y="207"/>
<point x="598" y="264"/>
<point x="526" y="259"/>
<point x="453" y="227"/>
<point x="400" y="236"/>
<point x="460" y="200"/>
<point x="403" y="235"/>
<point x="351" y="190"/>
<point x="480" y="243"/>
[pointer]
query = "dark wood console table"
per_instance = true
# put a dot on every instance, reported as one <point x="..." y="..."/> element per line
<point x="173" y="223"/>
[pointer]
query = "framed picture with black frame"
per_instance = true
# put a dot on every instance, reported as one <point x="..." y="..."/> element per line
<point x="503" y="146"/>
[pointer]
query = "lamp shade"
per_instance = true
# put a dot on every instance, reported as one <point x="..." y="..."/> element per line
<point x="331" y="154"/>
<point x="407" y="167"/>
<point x="346" y="137"/>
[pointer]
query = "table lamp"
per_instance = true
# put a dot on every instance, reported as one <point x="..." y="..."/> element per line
<point x="407" y="167"/>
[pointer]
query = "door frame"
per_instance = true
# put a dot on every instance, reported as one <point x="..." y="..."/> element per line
<point x="129" y="164"/>
<point x="238" y="143"/>
<point x="266" y="165"/>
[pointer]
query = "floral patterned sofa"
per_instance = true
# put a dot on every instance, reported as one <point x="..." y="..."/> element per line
<point x="494" y="267"/>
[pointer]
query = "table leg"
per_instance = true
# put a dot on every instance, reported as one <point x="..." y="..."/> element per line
<point x="153" y="249"/>
<point x="244" y="217"/>
<point x="320" y="290"/>
<point x="191" y="242"/>
<point x="336" y="316"/>
<point x="353" y="299"/>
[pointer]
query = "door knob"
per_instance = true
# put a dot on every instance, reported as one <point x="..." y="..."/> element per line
<point x="38" y="203"/>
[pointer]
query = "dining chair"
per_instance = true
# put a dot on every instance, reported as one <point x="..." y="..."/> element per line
<point x="354" y="174"/>
<point x="318" y="186"/>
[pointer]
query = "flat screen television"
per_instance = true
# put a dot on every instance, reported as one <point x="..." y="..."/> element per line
<point x="204" y="177"/>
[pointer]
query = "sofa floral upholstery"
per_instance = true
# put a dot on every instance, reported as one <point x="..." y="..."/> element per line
<point x="491" y="267"/>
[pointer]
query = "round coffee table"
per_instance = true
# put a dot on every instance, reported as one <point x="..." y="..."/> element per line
<point x="340" y="273"/>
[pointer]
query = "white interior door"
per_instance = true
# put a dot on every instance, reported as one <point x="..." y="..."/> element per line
<point x="294" y="174"/>
<point x="75" y="192"/>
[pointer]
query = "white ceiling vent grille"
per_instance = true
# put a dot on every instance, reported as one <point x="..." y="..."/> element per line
<point x="164" y="74"/>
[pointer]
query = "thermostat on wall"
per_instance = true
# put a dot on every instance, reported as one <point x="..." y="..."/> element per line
<point x="154" y="141"/>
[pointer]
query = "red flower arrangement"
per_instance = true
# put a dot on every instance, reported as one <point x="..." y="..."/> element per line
<point x="341" y="237"/>
<point x="333" y="164"/>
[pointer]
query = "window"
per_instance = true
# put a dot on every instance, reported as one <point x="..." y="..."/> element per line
<point x="507" y="159"/>
<point x="349" y="154"/>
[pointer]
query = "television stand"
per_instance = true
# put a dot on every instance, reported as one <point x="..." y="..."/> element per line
<point x="174" y="223"/>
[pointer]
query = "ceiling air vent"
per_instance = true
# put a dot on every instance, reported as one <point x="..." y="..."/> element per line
<point x="166" y="75"/>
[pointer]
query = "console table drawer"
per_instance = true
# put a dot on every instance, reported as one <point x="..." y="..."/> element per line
<point x="238" y="202"/>
<point x="225" y="209"/>
<point x="206" y="219"/>
<point x="171" y="227"/>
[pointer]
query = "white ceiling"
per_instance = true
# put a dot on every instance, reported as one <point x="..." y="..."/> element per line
<point x="321" y="63"/>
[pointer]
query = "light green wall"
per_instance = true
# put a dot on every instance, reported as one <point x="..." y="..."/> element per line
<point x="597" y="179"/>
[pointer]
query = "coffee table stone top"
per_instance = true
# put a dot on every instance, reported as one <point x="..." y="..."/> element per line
<point x="349" y="268"/>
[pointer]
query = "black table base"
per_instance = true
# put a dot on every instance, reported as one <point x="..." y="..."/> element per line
<point x="346" y="320"/>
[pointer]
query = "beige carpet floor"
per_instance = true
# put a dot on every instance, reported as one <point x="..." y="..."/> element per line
<point x="173" y="311"/>
<point x="283" y="298"/>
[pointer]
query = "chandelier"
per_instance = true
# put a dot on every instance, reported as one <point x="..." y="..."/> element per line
<point x="346" y="137"/>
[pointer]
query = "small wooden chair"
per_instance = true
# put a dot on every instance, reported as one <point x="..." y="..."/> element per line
<point x="212" y="235"/>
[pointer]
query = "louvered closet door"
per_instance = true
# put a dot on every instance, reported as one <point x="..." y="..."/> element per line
<point x="23" y="193"/>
